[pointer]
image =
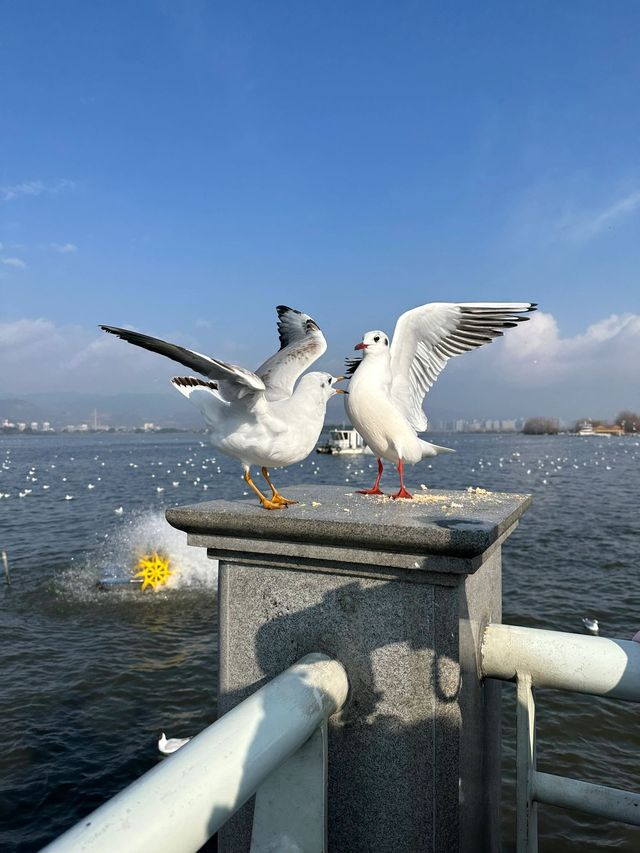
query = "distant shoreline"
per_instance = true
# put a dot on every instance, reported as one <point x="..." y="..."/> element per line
<point x="110" y="431"/>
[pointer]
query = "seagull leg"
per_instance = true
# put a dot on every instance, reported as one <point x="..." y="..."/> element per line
<point x="376" y="486"/>
<point x="266" y="503"/>
<point x="403" y="493"/>
<point x="276" y="497"/>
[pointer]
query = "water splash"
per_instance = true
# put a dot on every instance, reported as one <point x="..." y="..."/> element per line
<point x="120" y="552"/>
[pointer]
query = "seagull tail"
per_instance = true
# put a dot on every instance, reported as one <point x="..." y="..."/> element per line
<point x="429" y="449"/>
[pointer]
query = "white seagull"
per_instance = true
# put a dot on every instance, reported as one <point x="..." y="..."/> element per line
<point x="260" y="418"/>
<point x="168" y="745"/>
<point x="389" y="383"/>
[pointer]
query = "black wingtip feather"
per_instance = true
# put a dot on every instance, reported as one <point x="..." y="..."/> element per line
<point x="352" y="364"/>
<point x="194" y="382"/>
<point x="118" y="332"/>
<point x="293" y="328"/>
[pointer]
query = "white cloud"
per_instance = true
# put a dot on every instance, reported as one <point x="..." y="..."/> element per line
<point x="534" y="370"/>
<point x="13" y="262"/>
<point x="537" y="354"/>
<point x="25" y="188"/>
<point x="554" y="214"/>
<point x="64" y="248"/>
<point x="35" y="188"/>
<point x="24" y="333"/>
<point x="580" y="226"/>
<point x="40" y="355"/>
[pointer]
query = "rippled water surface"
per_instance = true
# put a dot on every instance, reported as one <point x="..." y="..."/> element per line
<point x="90" y="678"/>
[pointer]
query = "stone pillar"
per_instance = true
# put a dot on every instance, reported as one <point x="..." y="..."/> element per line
<point x="399" y="592"/>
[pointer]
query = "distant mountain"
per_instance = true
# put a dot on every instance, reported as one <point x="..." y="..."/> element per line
<point x="19" y="409"/>
<point x="130" y="410"/>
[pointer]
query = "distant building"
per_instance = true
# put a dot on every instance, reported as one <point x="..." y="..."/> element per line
<point x="477" y="425"/>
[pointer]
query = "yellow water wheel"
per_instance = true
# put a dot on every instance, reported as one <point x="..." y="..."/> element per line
<point x="153" y="569"/>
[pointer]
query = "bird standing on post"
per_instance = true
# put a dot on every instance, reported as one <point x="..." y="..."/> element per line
<point x="260" y="418"/>
<point x="389" y="383"/>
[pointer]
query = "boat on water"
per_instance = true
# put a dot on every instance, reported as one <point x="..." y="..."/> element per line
<point x="601" y="430"/>
<point x="343" y="440"/>
<point x="586" y="429"/>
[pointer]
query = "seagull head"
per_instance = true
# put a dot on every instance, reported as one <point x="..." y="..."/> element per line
<point x="375" y="342"/>
<point x="323" y="383"/>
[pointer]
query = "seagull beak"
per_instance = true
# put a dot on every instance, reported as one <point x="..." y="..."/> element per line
<point x="340" y="391"/>
<point x="340" y="378"/>
<point x="361" y="346"/>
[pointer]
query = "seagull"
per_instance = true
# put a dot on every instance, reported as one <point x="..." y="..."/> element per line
<point x="389" y="383"/>
<point x="168" y="745"/>
<point x="262" y="418"/>
<point x="591" y="626"/>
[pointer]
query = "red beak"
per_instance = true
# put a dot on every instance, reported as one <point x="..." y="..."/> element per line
<point x="361" y="346"/>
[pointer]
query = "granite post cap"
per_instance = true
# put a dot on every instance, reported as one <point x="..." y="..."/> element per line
<point x="439" y="522"/>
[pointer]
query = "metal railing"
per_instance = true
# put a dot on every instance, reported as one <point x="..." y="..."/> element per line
<point x="594" y="665"/>
<point x="274" y="745"/>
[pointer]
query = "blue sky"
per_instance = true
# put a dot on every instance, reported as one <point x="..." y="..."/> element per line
<point x="183" y="167"/>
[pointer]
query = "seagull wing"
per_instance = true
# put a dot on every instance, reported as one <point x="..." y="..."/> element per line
<point x="425" y="338"/>
<point x="301" y="343"/>
<point x="233" y="381"/>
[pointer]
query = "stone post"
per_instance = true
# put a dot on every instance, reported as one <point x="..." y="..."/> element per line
<point x="399" y="592"/>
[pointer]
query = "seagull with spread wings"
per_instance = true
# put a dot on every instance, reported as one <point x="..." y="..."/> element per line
<point x="389" y="383"/>
<point x="262" y="418"/>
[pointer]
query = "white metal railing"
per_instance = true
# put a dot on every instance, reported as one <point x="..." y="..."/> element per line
<point x="595" y="665"/>
<point x="274" y="744"/>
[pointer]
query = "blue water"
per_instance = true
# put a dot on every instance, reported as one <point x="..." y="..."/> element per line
<point x="90" y="678"/>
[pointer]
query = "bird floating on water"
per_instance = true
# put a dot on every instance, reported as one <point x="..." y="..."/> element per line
<point x="591" y="626"/>
<point x="259" y="418"/>
<point x="389" y="383"/>
<point x="168" y="745"/>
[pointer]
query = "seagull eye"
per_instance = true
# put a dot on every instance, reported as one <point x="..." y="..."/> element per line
<point x="386" y="342"/>
<point x="376" y="339"/>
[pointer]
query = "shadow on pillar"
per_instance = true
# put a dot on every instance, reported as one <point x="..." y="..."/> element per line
<point x="394" y="749"/>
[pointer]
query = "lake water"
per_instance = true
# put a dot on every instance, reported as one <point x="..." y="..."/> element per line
<point x="90" y="678"/>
